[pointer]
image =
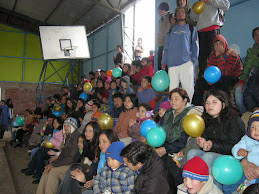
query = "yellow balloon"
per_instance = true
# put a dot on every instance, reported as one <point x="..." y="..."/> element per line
<point x="87" y="86"/>
<point x="48" y="144"/>
<point x="194" y="125"/>
<point x="57" y="108"/>
<point x="105" y="121"/>
<point x="199" y="7"/>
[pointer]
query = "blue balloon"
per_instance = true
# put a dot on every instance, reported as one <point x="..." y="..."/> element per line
<point x="156" y="136"/>
<point x="15" y="124"/>
<point x="56" y="113"/>
<point x="227" y="170"/>
<point x="212" y="74"/>
<point x="84" y="96"/>
<point x="146" y="126"/>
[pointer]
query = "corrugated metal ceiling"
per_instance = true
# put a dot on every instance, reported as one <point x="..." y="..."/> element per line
<point x="91" y="13"/>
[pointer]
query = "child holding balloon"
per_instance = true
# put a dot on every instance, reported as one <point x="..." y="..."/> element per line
<point x="247" y="147"/>
<point x="144" y="112"/>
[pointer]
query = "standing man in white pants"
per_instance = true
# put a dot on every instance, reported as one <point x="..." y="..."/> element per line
<point x="181" y="52"/>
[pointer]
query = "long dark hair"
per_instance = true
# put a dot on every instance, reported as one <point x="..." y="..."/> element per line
<point x="227" y="111"/>
<point x="134" y="100"/>
<point x="110" y="134"/>
<point x="7" y="103"/>
<point x="67" y="109"/>
<point x="60" y="120"/>
<point x="92" y="148"/>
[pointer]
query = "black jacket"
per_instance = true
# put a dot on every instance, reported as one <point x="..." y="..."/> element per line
<point x="154" y="178"/>
<point x="225" y="135"/>
<point x="251" y="93"/>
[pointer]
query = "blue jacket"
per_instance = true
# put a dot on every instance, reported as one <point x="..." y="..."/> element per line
<point x="146" y="96"/>
<point x="250" y="145"/>
<point x="4" y="116"/>
<point x="110" y="96"/>
<point x="178" y="48"/>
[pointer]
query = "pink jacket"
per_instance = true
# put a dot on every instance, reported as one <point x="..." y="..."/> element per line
<point x="57" y="139"/>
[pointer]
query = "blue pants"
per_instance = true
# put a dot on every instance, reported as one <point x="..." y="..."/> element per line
<point x="228" y="189"/>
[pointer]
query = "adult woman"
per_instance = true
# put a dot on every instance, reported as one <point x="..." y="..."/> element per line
<point x="224" y="128"/>
<point x="119" y="58"/>
<point x="79" y="111"/>
<point x="37" y="163"/>
<point x="70" y="106"/>
<point x="87" y="159"/>
<point x="106" y="138"/>
<point x="172" y="120"/>
<point x="130" y="104"/>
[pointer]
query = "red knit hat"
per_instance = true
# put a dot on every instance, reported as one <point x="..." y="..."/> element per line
<point x="196" y="169"/>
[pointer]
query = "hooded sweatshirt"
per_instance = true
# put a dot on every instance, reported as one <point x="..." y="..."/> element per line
<point x="230" y="63"/>
<point x="129" y="90"/>
<point x="179" y="48"/>
<point x="210" y="16"/>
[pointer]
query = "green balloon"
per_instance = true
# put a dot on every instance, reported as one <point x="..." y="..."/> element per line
<point x="117" y="72"/>
<point x="227" y="170"/>
<point x="20" y="121"/>
<point x="156" y="136"/>
<point x="160" y="81"/>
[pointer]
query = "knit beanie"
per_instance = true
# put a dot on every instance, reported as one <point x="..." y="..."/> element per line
<point x="196" y="169"/>
<point x="114" y="151"/>
<point x="72" y="122"/>
<point x="108" y="81"/>
<point x="165" y="105"/>
<point x="89" y="105"/>
<point x="253" y="117"/>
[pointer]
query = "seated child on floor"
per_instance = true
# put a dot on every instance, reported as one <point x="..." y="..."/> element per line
<point x="114" y="177"/>
<point x="163" y="107"/>
<point x="144" y="112"/>
<point x="197" y="178"/>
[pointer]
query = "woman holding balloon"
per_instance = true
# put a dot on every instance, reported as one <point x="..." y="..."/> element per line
<point x="224" y="128"/>
<point x="172" y="120"/>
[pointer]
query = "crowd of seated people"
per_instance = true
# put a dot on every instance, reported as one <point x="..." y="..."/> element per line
<point x="86" y="159"/>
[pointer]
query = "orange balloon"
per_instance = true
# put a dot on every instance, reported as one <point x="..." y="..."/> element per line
<point x="109" y="73"/>
<point x="199" y="7"/>
<point x="57" y="108"/>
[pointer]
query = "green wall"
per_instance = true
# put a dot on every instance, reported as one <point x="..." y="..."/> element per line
<point x="21" y="57"/>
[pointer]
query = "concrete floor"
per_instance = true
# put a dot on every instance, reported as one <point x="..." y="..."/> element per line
<point x="17" y="159"/>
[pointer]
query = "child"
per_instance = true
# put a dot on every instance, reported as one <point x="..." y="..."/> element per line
<point x="125" y="69"/>
<point x="112" y="91"/>
<point x="114" y="177"/>
<point x="125" y="86"/>
<point x="163" y="107"/>
<point x="91" y="78"/>
<point x="146" y="93"/>
<point x="96" y="111"/>
<point x="197" y="178"/>
<point x="248" y="147"/>
<point x="144" y="112"/>
<point x="106" y="93"/>
<point x="88" y="115"/>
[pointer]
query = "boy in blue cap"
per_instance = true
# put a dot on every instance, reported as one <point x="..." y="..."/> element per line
<point x="114" y="177"/>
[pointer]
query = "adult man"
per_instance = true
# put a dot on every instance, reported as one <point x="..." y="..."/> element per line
<point x="139" y="50"/>
<point x="208" y="25"/>
<point x="152" y="174"/>
<point x="163" y="27"/>
<point x="181" y="52"/>
<point x="117" y="109"/>
<point x="251" y="65"/>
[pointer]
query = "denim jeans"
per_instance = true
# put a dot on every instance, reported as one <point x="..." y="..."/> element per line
<point x="228" y="189"/>
<point x="33" y="151"/>
<point x="239" y="96"/>
<point x="208" y="157"/>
